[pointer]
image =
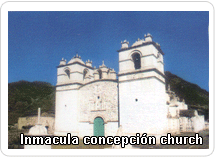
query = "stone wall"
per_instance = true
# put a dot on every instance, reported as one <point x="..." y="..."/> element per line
<point x="185" y="124"/>
<point x="31" y="121"/>
<point x="98" y="99"/>
<point x="173" y="125"/>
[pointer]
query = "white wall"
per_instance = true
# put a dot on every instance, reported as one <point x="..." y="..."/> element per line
<point x="85" y="129"/>
<point x="111" y="128"/>
<point x="149" y="113"/>
<point x="66" y="112"/>
<point x="198" y="123"/>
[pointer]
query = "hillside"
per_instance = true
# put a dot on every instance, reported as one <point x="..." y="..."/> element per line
<point x="194" y="96"/>
<point x="25" y="97"/>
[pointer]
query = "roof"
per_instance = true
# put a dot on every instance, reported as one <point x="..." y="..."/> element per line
<point x="146" y="43"/>
<point x="76" y="59"/>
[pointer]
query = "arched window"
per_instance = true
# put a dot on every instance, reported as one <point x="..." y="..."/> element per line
<point x="136" y="60"/>
<point x="67" y="71"/>
<point x="108" y="73"/>
<point x="85" y="73"/>
<point x="100" y="74"/>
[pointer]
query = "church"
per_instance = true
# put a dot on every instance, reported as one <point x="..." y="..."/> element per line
<point x="94" y="101"/>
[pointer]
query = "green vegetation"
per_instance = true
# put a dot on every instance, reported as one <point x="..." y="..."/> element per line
<point x="25" y="97"/>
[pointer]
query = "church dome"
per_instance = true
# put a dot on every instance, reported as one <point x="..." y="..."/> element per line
<point x="38" y="130"/>
<point x="76" y="59"/>
<point x="103" y="67"/>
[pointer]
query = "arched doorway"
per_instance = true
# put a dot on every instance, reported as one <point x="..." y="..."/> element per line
<point x="98" y="126"/>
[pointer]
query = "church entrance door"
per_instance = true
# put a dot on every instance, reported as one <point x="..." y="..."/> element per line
<point x="98" y="126"/>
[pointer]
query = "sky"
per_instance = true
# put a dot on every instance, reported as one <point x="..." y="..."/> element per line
<point x="37" y="41"/>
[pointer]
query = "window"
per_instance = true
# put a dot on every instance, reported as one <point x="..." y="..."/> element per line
<point x="67" y="71"/>
<point x="85" y="73"/>
<point x="100" y="74"/>
<point x="136" y="60"/>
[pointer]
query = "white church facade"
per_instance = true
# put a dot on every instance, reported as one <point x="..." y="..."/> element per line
<point x="91" y="101"/>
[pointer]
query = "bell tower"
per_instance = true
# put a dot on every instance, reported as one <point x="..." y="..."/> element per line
<point x="142" y="99"/>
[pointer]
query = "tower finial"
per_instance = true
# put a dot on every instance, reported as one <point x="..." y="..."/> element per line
<point x="63" y="62"/>
<point x="124" y="44"/>
<point x="148" y="37"/>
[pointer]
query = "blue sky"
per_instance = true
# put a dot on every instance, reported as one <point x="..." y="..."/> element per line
<point x="38" y="40"/>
